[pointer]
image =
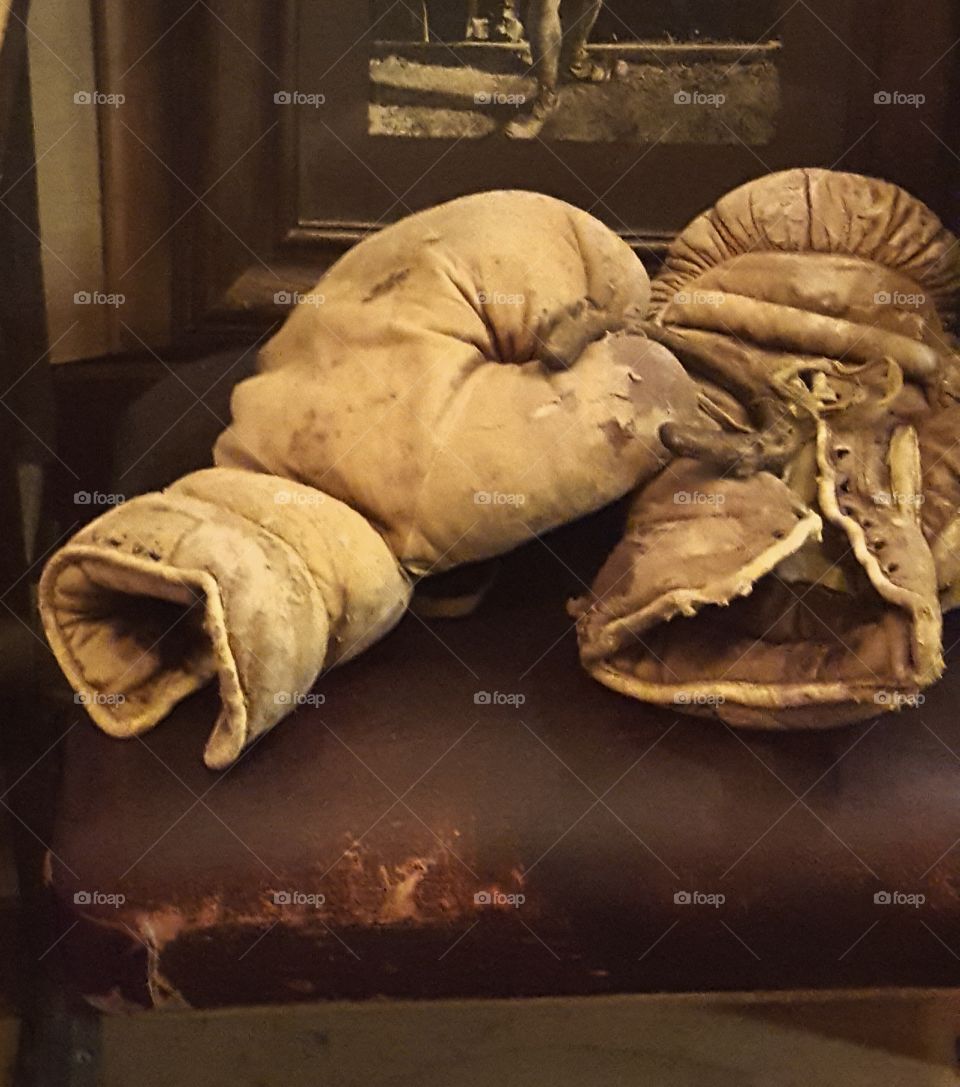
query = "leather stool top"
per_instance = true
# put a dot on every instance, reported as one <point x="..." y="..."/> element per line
<point x="464" y="812"/>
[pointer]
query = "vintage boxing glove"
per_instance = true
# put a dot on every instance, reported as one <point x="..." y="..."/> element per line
<point x="785" y="570"/>
<point x="247" y="578"/>
<point x="464" y="379"/>
<point x="461" y="379"/>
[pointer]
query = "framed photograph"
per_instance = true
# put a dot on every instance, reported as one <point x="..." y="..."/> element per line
<point x="346" y="117"/>
<point x="690" y="98"/>
<point x="616" y="73"/>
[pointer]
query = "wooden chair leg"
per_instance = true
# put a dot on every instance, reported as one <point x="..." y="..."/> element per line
<point x="60" y="1045"/>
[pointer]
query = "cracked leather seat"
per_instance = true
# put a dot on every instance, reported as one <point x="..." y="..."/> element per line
<point x="463" y="811"/>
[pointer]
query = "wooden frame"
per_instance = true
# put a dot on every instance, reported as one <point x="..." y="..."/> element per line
<point x="285" y="193"/>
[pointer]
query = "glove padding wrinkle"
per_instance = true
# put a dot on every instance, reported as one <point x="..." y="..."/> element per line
<point x="253" y="579"/>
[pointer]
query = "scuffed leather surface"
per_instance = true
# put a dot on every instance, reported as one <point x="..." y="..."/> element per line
<point x="400" y="798"/>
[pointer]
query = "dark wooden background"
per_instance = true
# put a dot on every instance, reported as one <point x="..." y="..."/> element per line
<point x="285" y="190"/>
